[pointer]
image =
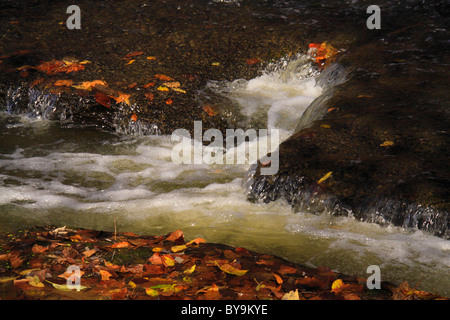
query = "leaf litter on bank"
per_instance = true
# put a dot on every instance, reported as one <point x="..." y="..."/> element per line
<point x="121" y="266"/>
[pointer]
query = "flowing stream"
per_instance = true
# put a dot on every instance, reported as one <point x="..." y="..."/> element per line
<point x="82" y="177"/>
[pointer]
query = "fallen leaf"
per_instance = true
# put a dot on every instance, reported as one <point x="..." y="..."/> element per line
<point x="173" y="84"/>
<point x="337" y="286"/>
<point x="132" y="54"/>
<point x="163" y="77"/>
<point x="168" y="260"/>
<point x="65" y="287"/>
<point x="151" y="58"/>
<point x="150" y="84"/>
<point x="63" y="83"/>
<point x="215" y="64"/>
<point x="327" y="126"/>
<point x="155" y="259"/>
<point x="169" y="101"/>
<point x="178" y="248"/>
<point x="332" y="109"/>
<point x="387" y="143"/>
<point x="325" y="177"/>
<point x="176" y="235"/>
<point x="122" y="97"/>
<point x="151" y="292"/>
<point x="120" y="245"/>
<point x="39" y="249"/>
<point x="88" y="85"/>
<point x="35" y="282"/>
<point x="161" y="88"/>
<point x="103" y="99"/>
<point x="134" y="117"/>
<point x="228" y="268"/>
<point x="196" y="241"/>
<point x="130" y="62"/>
<point x="190" y="270"/>
<point x="278" y="278"/>
<point x="291" y="295"/>
<point x="105" y="275"/>
<point x="209" y="110"/>
<point x="149" y="96"/>
<point x="179" y="90"/>
<point x="252" y="61"/>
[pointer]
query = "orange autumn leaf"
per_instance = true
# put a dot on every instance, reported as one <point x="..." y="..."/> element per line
<point x="105" y="275"/>
<point x="168" y="260"/>
<point x="63" y="83"/>
<point x="131" y="61"/>
<point x="278" y="278"/>
<point x="56" y="66"/>
<point x="103" y="99"/>
<point x="119" y="245"/>
<point x="149" y="96"/>
<point x="177" y="234"/>
<point x="133" y="54"/>
<point x="39" y="249"/>
<point x="122" y="97"/>
<point x="150" y="84"/>
<point x="323" y="53"/>
<point x="151" y="58"/>
<point x="196" y="241"/>
<point x="88" y="85"/>
<point x="169" y="101"/>
<point x="173" y="84"/>
<point x="134" y="117"/>
<point x="209" y="110"/>
<point x="228" y="268"/>
<point x="252" y="61"/>
<point x="163" y="77"/>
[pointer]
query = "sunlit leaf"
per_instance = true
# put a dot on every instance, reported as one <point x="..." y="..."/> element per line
<point x="387" y="143"/>
<point x="196" y="241"/>
<point x="228" y="268"/>
<point x="325" y="177"/>
<point x="291" y="295"/>
<point x="178" y="248"/>
<point x="105" y="275"/>
<point x="190" y="270"/>
<point x="162" y="88"/>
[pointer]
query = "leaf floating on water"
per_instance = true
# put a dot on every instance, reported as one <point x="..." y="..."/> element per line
<point x="88" y="85"/>
<point x="325" y="177"/>
<point x="323" y="53"/>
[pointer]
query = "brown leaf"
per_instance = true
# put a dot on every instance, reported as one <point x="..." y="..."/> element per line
<point x="133" y="54"/>
<point x="150" y="84"/>
<point x="163" y="77"/>
<point x="176" y="235"/>
<point x="63" y="83"/>
<point x="103" y="99"/>
<point x="39" y="249"/>
<point x="252" y="61"/>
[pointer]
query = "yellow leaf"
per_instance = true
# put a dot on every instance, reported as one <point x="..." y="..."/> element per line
<point x="7" y="279"/>
<point x="387" y="143"/>
<point x="151" y="292"/>
<point x="325" y="177"/>
<point x="131" y="61"/>
<point x="178" y="248"/>
<point x="179" y="90"/>
<point x="168" y="260"/>
<point x="215" y="63"/>
<point x="157" y="249"/>
<point x="64" y="287"/>
<point x="337" y="285"/>
<point x="190" y="270"/>
<point x="173" y="84"/>
<point x="327" y="126"/>
<point x="132" y="284"/>
<point x="291" y="295"/>
<point x="161" y="88"/>
<point x="84" y="62"/>
<point x="227" y="268"/>
<point x="35" y="282"/>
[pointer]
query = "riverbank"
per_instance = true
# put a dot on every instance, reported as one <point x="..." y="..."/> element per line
<point x="47" y="262"/>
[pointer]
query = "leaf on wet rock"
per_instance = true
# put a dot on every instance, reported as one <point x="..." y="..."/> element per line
<point x="103" y="99"/>
<point x="63" y="83"/>
<point x="190" y="270"/>
<point x="105" y="275"/>
<point x="178" y="248"/>
<point x="252" y="61"/>
<point x="132" y="54"/>
<point x="209" y="110"/>
<point x="169" y="101"/>
<point x="387" y="143"/>
<point x="150" y="84"/>
<point x="134" y="117"/>
<point x="196" y="241"/>
<point x="163" y="77"/>
<point x="162" y="88"/>
<point x="130" y="62"/>
<point x="173" y="84"/>
<point x="88" y="85"/>
<point x="151" y="58"/>
<point x="122" y="97"/>
<point x="39" y="249"/>
<point x="325" y="177"/>
<point x="179" y="90"/>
